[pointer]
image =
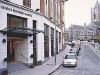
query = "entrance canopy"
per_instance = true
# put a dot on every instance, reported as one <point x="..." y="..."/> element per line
<point x="20" y="30"/>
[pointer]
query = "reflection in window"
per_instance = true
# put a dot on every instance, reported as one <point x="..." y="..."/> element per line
<point x="56" y="42"/>
<point x="46" y="40"/>
<point x="52" y="42"/>
<point x="15" y="21"/>
<point x="94" y="16"/>
<point x="27" y="3"/>
<point x="59" y="37"/>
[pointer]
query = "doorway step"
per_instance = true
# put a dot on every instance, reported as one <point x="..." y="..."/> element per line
<point x="16" y="66"/>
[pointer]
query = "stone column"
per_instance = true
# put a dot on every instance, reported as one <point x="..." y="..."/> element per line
<point x="40" y="41"/>
<point x="3" y="44"/>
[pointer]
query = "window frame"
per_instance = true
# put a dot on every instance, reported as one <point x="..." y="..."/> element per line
<point x="27" y="3"/>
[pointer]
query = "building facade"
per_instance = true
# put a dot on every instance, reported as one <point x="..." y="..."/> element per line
<point x="66" y="36"/>
<point x="74" y="32"/>
<point x="95" y="19"/>
<point x="28" y="32"/>
<point x="88" y="33"/>
<point x="83" y="33"/>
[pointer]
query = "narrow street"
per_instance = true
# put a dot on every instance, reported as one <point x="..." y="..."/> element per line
<point x="88" y="64"/>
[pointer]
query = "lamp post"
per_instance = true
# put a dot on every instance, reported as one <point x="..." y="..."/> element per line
<point x="56" y="1"/>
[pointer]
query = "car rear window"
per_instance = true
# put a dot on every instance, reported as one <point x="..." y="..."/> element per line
<point x="70" y="57"/>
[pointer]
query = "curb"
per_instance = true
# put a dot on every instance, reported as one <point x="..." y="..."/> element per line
<point x="55" y="69"/>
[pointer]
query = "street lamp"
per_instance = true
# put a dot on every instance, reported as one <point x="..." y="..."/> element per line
<point x="56" y="1"/>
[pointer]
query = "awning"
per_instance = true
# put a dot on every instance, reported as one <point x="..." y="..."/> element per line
<point x="20" y="30"/>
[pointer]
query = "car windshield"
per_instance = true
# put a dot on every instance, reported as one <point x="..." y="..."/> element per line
<point x="70" y="57"/>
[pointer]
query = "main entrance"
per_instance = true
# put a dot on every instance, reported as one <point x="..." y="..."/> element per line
<point x="17" y="52"/>
<point x="19" y="37"/>
<point x="13" y="38"/>
<point x="10" y="50"/>
<point x="15" y="47"/>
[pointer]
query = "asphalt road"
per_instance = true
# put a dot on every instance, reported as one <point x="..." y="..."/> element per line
<point x="88" y="64"/>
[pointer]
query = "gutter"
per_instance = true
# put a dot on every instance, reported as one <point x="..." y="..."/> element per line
<point x="55" y="69"/>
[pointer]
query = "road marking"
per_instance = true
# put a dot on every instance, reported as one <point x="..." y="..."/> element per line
<point x="94" y="50"/>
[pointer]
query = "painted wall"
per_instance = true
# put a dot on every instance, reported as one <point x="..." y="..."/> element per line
<point x="40" y="40"/>
<point x="20" y="2"/>
<point x="30" y="45"/>
<point x="3" y="46"/>
<point x="3" y="51"/>
<point x="35" y="4"/>
<point x="49" y="42"/>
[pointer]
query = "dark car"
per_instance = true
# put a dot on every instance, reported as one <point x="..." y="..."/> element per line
<point x="74" y="50"/>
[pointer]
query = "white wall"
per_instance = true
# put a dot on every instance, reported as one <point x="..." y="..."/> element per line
<point x="35" y="4"/>
<point x="20" y="2"/>
<point x="3" y="46"/>
<point x="49" y="42"/>
<point x="3" y="51"/>
<point x="40" y="40"/>
<point x="30" y="45"/>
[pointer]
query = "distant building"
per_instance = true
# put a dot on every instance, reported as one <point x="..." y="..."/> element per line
<point x="95" y="13"/>
<point x="87" y="33"/>
<point x="95" y="19"/>
<point x="74" y="32"/>
<point x="67" y="36"/>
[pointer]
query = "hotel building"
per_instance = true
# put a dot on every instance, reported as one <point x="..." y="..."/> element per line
<point x="30" y="30"/>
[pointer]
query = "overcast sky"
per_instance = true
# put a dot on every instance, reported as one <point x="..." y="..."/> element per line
<point x="78" y="11"/>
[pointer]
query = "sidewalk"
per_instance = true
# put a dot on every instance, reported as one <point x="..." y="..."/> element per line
<point x="45" y="68"/>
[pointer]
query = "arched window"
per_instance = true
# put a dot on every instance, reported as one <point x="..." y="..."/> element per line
<point x="94" y="15"/>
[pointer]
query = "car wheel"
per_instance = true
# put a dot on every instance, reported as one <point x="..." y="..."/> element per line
<point x="63" y="65"/>
<point x="75" y="65"/>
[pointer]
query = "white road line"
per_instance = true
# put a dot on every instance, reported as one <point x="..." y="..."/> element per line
<point x="94" y="50"/>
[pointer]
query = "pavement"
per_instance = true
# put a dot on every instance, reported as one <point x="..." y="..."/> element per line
<point x="47" y="68"/>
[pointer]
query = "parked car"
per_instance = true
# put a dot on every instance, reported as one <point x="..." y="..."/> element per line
<point x="70" y="60"/>
<point x="74" y="50"/>
<point x="77" y="44"/>
<point x="69" y="43"/>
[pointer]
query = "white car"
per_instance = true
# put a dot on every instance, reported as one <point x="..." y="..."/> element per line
<point x="74" y="50"/>
<point x="70" y="60"/>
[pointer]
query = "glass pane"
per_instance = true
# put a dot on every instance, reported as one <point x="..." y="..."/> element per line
<point x="13" y="21"/>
